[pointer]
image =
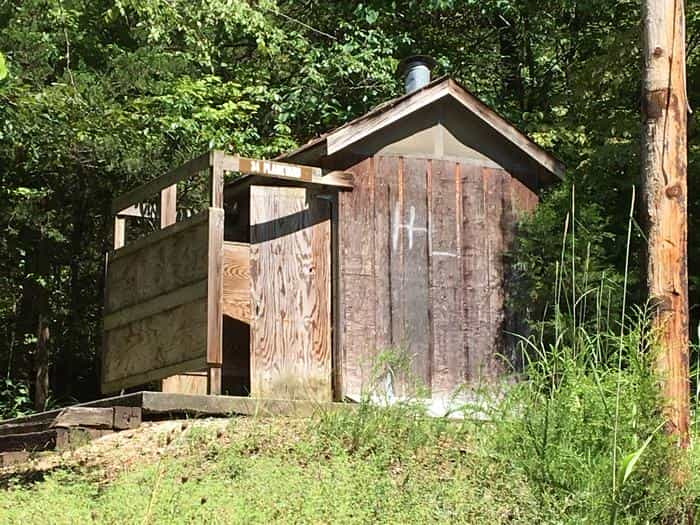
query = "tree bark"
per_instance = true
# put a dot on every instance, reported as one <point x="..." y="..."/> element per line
<point x="664" y="166"/>
<point x="41" y="385"/>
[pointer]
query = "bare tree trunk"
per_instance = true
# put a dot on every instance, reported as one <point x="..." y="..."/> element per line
<point x="664" y="166"/>
<point x="41" y="390"/>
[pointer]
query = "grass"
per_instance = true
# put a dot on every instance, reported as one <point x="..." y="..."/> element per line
<point x="545" y="457"/>
<point x="376" y="466"/>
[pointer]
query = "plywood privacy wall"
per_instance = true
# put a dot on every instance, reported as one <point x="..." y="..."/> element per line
<point x="290" y="268"/>
<point x="161" y="303"/>
<point x="421" y="271"/>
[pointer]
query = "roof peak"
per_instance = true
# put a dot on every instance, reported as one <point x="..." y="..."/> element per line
<point x="400" y="107"/>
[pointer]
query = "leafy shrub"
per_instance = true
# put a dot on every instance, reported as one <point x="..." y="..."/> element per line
<point x="14" y="398"/>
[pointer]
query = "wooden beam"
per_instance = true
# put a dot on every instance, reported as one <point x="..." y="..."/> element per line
<point x="148" y="190"/>
<point x="216" y="179"/>
<point x="131" y="400"/>
<point x="119" y="232"/>
<point x="155" y="403"/>
<point x="287" y="171"/>
<point x="43" y="440"/>
<point x="126" y="417"/>
<point x="168" y="206"/>
<point x="24" y="428"/>
<point x="217" y="162"/>
<point x="85" y="417"/>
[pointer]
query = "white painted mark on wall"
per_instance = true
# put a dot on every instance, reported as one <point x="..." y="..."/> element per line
<point x="444" y="254"/>
<point x="410" y="227"/>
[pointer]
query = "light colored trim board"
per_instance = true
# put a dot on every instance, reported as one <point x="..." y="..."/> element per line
<point x="119" y="232"/>
<point x="351" y="134"/>
<point x="507" y="130"/>
<point x="393" y="111"/>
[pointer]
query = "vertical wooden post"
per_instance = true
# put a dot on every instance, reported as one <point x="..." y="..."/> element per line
<point x="168" y="216"/>
<point x="214" y="381"/>
<point x="215" y="289"/>
<point x="168" y="206"/>
<point x="216" y="240"/>
<point x="216" y="178"/>
<point x="664" y="166"/>
<point x="119" y="232"/>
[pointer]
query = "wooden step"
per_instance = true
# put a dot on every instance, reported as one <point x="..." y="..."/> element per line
<point x="8" y="459"/>
<point x="24" y="428"/>
<point x="66" y="427"/>
<point x="34" y="441"/>
<point x="54" y="438"/>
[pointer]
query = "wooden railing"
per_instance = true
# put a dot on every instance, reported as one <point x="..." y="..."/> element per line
<point x="214" y="163"/>
<point x="164" y="292"/>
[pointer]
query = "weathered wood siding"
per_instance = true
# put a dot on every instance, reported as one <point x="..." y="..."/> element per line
<point x="290" y="294"/>
<point x="421" y="270"/>
<point x="162" y="297"/>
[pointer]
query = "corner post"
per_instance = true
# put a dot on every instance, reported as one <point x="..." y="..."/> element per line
<point x="168" y="206"/>
<point x="216" y="178"/>
<point x="119" y="232"/>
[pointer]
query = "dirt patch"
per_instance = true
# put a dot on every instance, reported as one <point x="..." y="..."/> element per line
<point x="105" y="458"/>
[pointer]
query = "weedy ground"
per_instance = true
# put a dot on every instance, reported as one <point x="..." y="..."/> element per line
<point x="258" y="470"/>
<point x="371" y="465"/>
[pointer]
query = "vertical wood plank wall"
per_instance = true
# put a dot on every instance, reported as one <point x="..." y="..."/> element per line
<point x="290" y="294"/>
<point x="421" y="271"/>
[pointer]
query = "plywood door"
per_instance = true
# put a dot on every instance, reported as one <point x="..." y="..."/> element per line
<point x="290" y="266"/>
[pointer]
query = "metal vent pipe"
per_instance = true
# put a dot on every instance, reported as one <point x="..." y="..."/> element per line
<point x="416" y="71"/>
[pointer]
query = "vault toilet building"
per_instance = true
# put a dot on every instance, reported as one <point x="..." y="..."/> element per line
<point x="388" y="232"/>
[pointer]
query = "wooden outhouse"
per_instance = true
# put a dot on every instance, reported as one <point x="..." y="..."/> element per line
<point x="384" y="236"/>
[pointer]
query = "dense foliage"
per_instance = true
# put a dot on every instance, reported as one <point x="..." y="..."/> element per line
<point x="99" y="96"/>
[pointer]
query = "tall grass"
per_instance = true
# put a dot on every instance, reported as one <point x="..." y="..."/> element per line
<point x="585" y="425"/>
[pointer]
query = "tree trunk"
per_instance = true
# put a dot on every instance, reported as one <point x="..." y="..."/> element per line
<point x="41" y="386"/>
<point x="664" y="166"/>
<point x="511" y="78"/>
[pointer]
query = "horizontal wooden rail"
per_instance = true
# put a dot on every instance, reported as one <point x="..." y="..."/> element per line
<point x="286" y="171"/>
<point x="127" y="204"/>
<point x="148" y="190"/>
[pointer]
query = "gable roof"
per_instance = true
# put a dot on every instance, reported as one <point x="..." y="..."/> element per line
<point x="394" y="110"/>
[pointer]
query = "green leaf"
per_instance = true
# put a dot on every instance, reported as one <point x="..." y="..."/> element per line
<point x="3" y="67"/>
<point x="630" y="460"/>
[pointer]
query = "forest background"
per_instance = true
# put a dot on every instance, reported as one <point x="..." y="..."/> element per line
<point x="99" y="96"/>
